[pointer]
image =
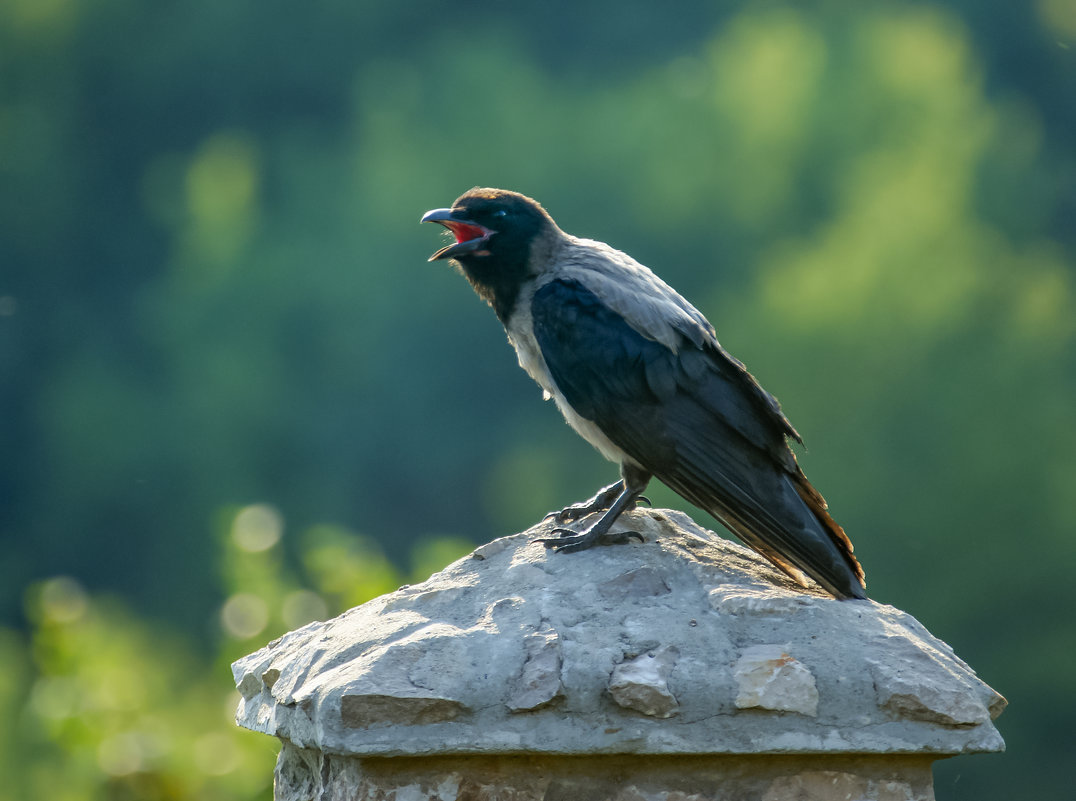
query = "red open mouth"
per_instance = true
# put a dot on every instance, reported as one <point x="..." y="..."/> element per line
<point x="465" y="232"/>
<point x="471" y="237"/>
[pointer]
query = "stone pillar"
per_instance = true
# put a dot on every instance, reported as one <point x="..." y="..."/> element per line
<point x="683" y="668"/>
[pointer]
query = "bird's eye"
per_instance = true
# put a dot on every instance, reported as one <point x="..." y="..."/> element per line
<point x="500" y="213"/>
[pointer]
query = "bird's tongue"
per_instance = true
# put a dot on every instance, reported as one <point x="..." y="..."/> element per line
<point x="465" y="232"/>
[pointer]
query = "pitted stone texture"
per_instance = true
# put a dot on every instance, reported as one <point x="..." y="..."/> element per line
<point x="518" y="649"/>
<point x="839" y="785"/>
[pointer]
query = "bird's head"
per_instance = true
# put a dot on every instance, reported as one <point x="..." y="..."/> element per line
<point x="502" y="239"/>
<point x="491" y="224"/>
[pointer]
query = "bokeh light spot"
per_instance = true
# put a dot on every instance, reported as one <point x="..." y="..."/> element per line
<point x="244" y="615"/>
<point x="55" y="697"/>
<point x="222" y="180"/>
<point x="122" y="754"/>
<point x="62" y="600"/>
<point x="257" y="528"/>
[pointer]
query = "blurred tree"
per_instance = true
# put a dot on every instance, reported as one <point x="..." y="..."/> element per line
<point x="98" y="704"/>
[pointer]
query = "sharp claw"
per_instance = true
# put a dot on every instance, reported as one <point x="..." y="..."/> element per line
<point x="561" y="534"/>
<point x="566" y="515"/>
<point x="568" y="541"/>
<point x="569" y="547"/>
<point x="644" y="499"/>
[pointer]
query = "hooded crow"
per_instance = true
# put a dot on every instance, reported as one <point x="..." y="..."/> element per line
<point x="638" y="372"/>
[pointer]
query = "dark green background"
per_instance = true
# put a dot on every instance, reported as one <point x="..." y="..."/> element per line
<point x="213" y="293"/>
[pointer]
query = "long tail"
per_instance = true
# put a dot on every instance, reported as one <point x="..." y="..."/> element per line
<point x="820" y="509"/>
<point x="791" y="528"/>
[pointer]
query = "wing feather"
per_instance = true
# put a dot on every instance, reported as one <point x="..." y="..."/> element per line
<point x="697" y="420"/>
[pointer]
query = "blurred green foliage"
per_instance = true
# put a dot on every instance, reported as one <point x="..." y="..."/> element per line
<point x="97" y="702"/>
<point x="215" y="316"/>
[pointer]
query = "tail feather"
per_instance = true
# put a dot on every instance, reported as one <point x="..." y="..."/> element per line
<point x="820" y="509"/>
<point x="792" y="530"/>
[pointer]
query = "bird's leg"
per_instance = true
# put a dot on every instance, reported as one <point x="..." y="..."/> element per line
<point x="630" y="490"/>
<point x="599" y="503"/>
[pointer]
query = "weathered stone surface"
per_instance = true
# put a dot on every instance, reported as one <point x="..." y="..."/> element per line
<point x="517" y="649"/>
<point x="371" y="709"/>
<point x="304" y="775"/>
<point x="838" y="785"/>
<point x="539" y="681"/>
<point x="916" y="684"/>
<point x="768" y="677"/>
<point x="637" y="583"/>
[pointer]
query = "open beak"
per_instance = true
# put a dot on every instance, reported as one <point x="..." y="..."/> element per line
<point x="470" y="236"/>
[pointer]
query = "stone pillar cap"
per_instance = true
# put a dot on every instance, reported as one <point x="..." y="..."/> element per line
<point x="683" y="644"/>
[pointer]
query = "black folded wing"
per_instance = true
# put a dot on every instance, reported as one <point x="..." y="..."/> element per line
<point x="700" y="423"/>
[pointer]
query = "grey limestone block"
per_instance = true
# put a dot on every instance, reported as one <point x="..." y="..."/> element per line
<point x="684" y="644"/>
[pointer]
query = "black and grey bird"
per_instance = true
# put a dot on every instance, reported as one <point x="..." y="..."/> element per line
<point x="638" y="372"/>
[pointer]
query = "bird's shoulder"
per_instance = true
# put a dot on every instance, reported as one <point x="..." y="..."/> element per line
<point x="630" y="289"/>
<point x="600" y="300"/>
